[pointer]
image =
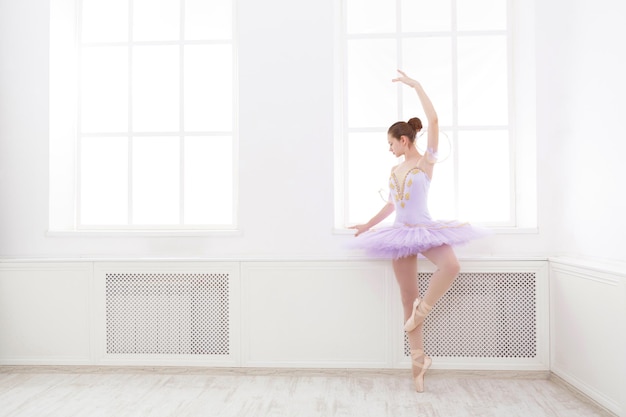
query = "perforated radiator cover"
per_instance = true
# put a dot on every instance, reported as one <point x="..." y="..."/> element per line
<point x="167" y="313"/>
<point x="483" y="315"/>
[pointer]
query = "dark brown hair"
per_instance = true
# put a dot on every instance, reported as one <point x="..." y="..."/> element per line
<point x="408" y="129"/>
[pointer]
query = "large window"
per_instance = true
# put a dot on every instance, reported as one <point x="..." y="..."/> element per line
<point x="154" y="138"/>
<point x="461" y="53"/>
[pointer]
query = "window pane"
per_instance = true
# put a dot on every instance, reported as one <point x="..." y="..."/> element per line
<point x="481" y="15"/>
<point x="104" y="21"/>
<point x="371" y="94"/>
<point x="208" y="180"/>
<point x="208" y="19"/>
<point x="208" y="88"/>
<point x="104" y="181"/>
<point x="156" y="180"/>
<point x="104" y="89"/>
<point x="369" y="167"/>
<point x="156" y="89"/>
<point x="425" y="15"/>
<point x="371" y="16"/>
<point x="484" y="176"/>
<point x="430" y="61"/>
<point x="156" y="20"/>
<point x="483" y="86"/>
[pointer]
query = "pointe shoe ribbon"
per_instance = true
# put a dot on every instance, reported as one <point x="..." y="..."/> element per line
<point x="419" y="368"/>
<point x="420" y="311"/>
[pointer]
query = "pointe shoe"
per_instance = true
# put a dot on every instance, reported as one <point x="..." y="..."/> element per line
<point x="420" y="311"/>
<point x="419" y="368"/>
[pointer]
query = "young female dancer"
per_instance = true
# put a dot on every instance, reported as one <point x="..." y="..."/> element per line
<point x="414" y="231"/>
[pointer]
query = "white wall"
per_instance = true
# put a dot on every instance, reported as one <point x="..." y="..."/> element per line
<point x="286" y="148"/>
<point x="581" y="99"/>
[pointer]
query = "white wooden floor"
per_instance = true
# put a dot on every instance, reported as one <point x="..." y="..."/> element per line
<point x="182" y="392"/>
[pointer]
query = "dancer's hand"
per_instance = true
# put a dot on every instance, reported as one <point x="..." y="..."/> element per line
<point x="406" y="80"/>
<point x="360" y="228"/>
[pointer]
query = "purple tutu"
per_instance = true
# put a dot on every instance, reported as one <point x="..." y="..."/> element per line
<point x="399" y="241"/>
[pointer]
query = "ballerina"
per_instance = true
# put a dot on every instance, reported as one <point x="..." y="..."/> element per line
<point x="414" y="231"/>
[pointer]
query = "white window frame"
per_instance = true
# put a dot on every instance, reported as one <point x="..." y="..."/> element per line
<point x="521" y="96"/>
<point x="66" y="135"/>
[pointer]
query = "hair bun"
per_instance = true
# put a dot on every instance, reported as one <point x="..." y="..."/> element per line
<point x="415" y="123"/>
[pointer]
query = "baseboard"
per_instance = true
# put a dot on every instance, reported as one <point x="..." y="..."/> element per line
<point x="583" y="394"/>
<point x="248" y="371"/>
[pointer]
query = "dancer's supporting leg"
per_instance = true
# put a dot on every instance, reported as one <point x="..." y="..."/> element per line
<point x="445" y="260"/>
<point x="405" y="270"/>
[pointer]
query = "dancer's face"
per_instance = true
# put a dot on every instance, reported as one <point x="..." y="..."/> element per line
<point x="395" y="146"/>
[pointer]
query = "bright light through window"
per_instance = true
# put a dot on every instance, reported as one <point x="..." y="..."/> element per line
<point x="156" y="119"/>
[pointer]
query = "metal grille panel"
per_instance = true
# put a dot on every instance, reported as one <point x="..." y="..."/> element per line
<point x="483" y="315"/>
<point x="167" y="313"/>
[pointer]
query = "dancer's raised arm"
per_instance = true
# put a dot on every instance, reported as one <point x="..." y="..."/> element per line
<point x="429" y="110"/>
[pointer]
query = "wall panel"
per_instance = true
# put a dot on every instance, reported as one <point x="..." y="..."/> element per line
<point x="45" y="312"/>
<point x="331" y="314"/>
<point x="587" y="306"/>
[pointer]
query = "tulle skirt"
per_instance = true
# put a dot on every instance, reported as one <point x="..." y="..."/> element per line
<point x="399" y="241"/>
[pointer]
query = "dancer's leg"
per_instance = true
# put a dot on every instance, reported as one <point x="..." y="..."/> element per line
<point x="406" y="273"/>
<point x="405" y="270"/>
<point x="444" y="259"/>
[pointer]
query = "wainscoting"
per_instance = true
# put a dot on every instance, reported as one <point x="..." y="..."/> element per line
<point x="556" y="315"/>
<point x="588" y="329"/>
<point x="310" y="314"/>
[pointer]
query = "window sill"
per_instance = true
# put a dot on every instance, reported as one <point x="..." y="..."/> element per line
<point x="144" y="233"/>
